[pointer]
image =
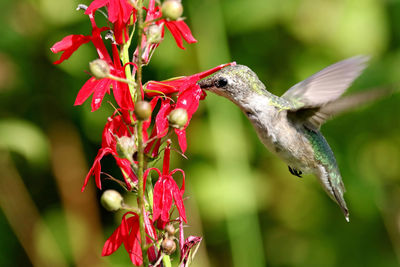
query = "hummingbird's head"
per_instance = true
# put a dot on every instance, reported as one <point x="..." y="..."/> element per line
<point x="235" y="82"/>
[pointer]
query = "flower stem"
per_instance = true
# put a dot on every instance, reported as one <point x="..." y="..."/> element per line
<point x="141" y="201"/>
<point x="140" y="25"/>
<point x="125" y="59"/>
<point x="139" y="97"/>
<point x="166" y="261"/>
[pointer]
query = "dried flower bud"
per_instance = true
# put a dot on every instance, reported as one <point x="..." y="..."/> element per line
<point x="126" y="146"/>
<point x="154" y="33"/>
<point x="99" y="68"/>
<point x="142" y="110"/>
<point x="111" y="200"/>
<point x="168" y="246"/>
<point x="170" y="229"/>
<point x="172" y="9"/>
<point x="178" y="118"/>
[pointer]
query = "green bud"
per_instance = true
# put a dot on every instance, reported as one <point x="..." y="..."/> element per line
<point x="126" y="146"/>
<point x="168" y="246"/>
<point x="142" y="110"/>
<point x="153" y="33"/>
<point x="99" y="68"/>
<point x="172" y="9"/>
<point x="178" y="118"/>
<point x="111" y="200"/>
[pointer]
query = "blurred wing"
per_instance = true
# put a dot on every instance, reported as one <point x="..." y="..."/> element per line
<point x="327" y="85"/>
<point x="317" y="116"/>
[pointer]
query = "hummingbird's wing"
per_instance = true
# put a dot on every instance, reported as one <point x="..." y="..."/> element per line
<point x="318" y="115"/>
<point x="326" y="85"/>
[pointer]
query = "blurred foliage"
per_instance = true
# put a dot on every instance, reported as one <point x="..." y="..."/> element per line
<point x="243" y="200"/>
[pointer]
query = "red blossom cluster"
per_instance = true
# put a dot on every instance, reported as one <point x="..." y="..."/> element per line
<point x="120" y="134"/>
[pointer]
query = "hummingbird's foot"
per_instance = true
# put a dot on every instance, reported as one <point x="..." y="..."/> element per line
<point x="295" y="172"/>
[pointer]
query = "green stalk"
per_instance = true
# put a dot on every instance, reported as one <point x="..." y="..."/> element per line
<point x="139" y="97"/>
<point x="125" y="59"/>
<point x="141" y="201"/>
<point x="166" y="261"/>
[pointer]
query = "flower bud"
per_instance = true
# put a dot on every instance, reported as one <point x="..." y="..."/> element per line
<point x="170" y="229"/>
<point x="99" y="68"/>
<point x="142" y="110"/>
<point x="111" y="200"/>
<point x="168" y="246"/>
<point x="172" y="9"/>
<point x="178" y="118"/>
<point x="154" y="33"/>
<point x="126" y="146"/>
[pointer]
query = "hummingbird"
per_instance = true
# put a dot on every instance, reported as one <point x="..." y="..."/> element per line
<point x="289" y="126"/>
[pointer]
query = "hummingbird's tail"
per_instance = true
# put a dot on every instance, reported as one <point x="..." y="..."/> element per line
<point x="338" y="197"/>
<point x="331" y="181"/>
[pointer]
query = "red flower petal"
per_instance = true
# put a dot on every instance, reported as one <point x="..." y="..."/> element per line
<point x="167" y="154"/>
<point x="122" y="95"/>
<point x="86" y="90"/>
<point x="157" y="199"/>
<point x="121" y="32"/>
<point x="180" y="30"/>
<point x="127" y="171"/>
<point x="113" y="242"/>
<point x="100" y="89"/>
<point x="181" y="139"/>
<point x="166" y="199"/>
<point x="189" y="100"/>
<point x="69" y="44"/>
<point x="133" y="246"/>
<point x="96" y="5"/>
<point x="96" y="168"/>
<point x="178" y="199"/>
<point x="146" y="173"/>
<point x="175" y="33"/>
<point x="184" y="31"/>
<point x="183" y="179"/>
<point x="162" y="120"/>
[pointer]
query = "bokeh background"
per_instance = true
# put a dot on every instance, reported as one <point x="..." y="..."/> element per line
<point x="243" y="200"/>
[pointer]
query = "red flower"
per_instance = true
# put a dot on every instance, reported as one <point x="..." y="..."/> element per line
<point x="68" y="45"/>
<point x="166" y="190"/>
<point x="100" y="87"/>
<point x="129" y="234"/>
<point x="189" y="95"/>
<point x="117" y="126"/>
<point x="121" y="124"/>
<point x="178" y="29"/>
<point x="119" y="13"/>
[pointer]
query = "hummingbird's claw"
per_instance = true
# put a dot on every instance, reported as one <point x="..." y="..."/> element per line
<point x="295" y="172"/>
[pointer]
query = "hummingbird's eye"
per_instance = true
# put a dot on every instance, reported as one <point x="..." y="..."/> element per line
<point x="221" y="82"/>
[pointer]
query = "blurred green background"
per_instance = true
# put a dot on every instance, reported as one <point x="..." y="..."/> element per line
<point x="243" y="200"/>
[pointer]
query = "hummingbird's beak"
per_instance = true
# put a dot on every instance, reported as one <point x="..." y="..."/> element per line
<point x="206" y="83"/>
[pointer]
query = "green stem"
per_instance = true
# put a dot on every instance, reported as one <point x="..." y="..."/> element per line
<point x="140" y="25"/>
<point x="141" y="201"/>
<point x="166" y="261"/>
<point x="125" y="59"/>
<point x="139" y="97"/>
<point x="119" y="79"/>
